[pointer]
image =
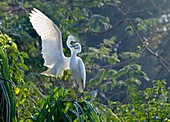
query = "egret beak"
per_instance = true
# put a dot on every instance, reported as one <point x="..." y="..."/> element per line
<point x="72" y="46"/>
<point x="77" y="41"/>
<point x="74" y="42"/>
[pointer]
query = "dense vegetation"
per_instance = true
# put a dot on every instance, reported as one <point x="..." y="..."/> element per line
<point x="125" y="50"/>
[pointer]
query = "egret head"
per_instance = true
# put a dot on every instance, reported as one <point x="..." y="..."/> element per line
<point x="76" y="47"/>
<point x="69" y="40"/>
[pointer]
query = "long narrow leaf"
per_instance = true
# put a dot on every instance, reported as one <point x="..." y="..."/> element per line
<point x="92" y="114"/>
<point x="75" y="112"/>
<point x="8" y="107"/>
<point x="80" y="107"/>
<point x="5" y="66"/>
<point x="77" y="109"/>
<point x="60" y="110"/>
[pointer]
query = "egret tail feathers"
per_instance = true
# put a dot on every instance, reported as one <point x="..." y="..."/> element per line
<point x="52" y="72"/>
<point x="57" y="69"/>
<point x="47" y="73"/>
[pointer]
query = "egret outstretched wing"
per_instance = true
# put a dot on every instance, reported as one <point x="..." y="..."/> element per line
<point x="52" y="49"/>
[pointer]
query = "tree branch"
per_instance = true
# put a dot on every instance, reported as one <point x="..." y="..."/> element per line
<point x="114" y="26"/>
<point x="161" y="60"/>
<point x="121" y="64"/>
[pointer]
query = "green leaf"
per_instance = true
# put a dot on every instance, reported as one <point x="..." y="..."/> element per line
<point x="4" y="64"/>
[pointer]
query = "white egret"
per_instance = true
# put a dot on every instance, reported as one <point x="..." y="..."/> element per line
<point x="52" y="50"/>
<point x="77" y="67"/>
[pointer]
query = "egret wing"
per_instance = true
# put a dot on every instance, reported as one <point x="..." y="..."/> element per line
<point x="52" y="49"/>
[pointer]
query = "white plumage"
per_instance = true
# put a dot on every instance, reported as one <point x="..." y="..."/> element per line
<point x="52" y="50"/>
<point x="77" y="67"/>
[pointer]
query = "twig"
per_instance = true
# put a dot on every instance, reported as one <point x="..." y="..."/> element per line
<point x="71" y="14"/>
<point x="106" y="99"/>
<point x="136" y="12"/>
<point x="114" y="26"/>
<point x="150" y="29"/>
<point x="20" y="7"/>
<point x="121" y="64"/>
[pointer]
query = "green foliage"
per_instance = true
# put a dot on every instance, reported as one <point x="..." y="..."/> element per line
<point x="152" y="104"/>
<point x="59" y="106"/>
<point x="12" y="71"/>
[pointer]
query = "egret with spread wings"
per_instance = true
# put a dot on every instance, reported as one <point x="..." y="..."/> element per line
<point x="52" y="50"/>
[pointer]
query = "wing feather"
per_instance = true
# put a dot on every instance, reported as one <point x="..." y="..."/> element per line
<point x="52" y="49"/>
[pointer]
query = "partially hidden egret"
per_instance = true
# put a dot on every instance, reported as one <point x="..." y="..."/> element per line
<point x="77" y="67"/>
<point x="52" y="50"/>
